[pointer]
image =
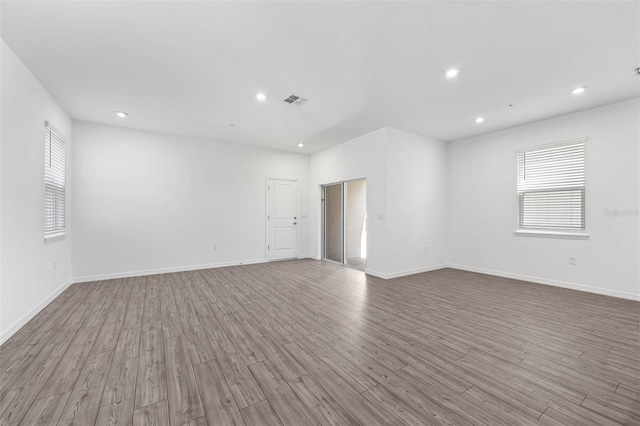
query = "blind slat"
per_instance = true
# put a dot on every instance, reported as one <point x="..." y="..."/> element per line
<point x="54" y="182"/>
<point x="551" y="187"/>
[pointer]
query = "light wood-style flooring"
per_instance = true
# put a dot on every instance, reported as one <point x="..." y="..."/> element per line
<point x="307" y="342"/>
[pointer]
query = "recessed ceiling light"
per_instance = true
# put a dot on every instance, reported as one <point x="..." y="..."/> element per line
<point x="579" y="90"/>
<point x="300" y="145"/>
<point x="261" y="96"/>
<point x="122" y="114"/>
<point x="480" y="120"/>
<point x="452" y="72"/>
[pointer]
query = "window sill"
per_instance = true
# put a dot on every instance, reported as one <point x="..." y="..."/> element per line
<point x="54" y="237"/>
<point x="551" y="234"/>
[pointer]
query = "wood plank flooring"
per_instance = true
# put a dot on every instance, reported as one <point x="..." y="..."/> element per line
<point x="312" y="343"/>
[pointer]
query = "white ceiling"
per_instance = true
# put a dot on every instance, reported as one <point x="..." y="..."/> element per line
<point x="192" y="68"/>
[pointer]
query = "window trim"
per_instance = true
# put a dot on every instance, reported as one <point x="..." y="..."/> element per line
<point x="52" y="238"/>
<point x="570" y="234"/>
<point x="57" y="234"/>
<point x="551" y="234"/>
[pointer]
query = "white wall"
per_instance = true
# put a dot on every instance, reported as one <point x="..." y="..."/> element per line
<point x="149" y="202"/>
<point x="406" y="197"/>
<point x="362" y="157"/>
<point x="482" y="204"/>
<point x="416" y="202"/>
<point x="28" y="279"/>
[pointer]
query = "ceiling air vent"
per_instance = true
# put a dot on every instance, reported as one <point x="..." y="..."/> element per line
<point x="295" y="100"/>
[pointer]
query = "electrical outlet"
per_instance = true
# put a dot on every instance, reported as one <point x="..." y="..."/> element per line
<point x="215" y="247"/>
<point x="426" y="249"/>
<point x="573" y="260"/>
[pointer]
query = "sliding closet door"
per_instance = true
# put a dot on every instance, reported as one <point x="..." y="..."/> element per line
<point x="333" y="223"/>
<point x="356" y="223"/>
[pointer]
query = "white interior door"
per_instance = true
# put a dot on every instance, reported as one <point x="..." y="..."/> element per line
<point x="282" y="219"/>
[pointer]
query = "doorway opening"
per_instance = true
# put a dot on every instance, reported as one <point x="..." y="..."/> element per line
<point x="344" y="223"/>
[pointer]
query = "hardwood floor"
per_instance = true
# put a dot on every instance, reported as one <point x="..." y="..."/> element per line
<point x="306" y="343"/>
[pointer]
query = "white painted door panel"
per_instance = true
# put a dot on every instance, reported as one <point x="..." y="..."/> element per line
<point x="282" y="219"/>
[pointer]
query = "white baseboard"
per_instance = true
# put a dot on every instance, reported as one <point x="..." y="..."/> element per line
<point x="4" y="336"/>
<point x="404" y="273"/>
<point x="545" y="281"/>
<point x="130" y="274"/>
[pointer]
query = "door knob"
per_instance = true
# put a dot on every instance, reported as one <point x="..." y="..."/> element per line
<point x="295" y="223"/>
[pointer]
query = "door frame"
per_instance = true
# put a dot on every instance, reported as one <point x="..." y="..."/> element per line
<point x="323" y="222"/>
<point x="266" y="215"/>
<point x="344" y="184"/>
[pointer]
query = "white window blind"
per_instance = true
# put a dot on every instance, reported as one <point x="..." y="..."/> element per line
<point x="551" y="187"/>
<point x="55" y="186"/>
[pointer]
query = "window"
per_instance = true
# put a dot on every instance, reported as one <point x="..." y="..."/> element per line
<point x="551" y="188"/>
<point x="55" y="187"/>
